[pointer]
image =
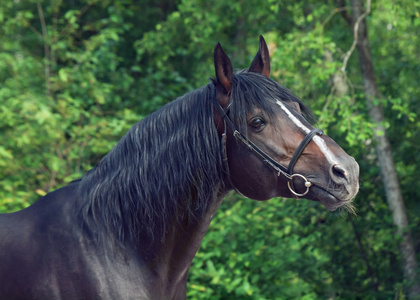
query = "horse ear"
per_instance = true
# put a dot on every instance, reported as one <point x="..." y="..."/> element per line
<point x="261" y="62"/>
<point x="224" y="74"/>
<point x="296" y="106"/>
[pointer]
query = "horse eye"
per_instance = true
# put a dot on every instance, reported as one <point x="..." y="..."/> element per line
<point x="257" y="123"/>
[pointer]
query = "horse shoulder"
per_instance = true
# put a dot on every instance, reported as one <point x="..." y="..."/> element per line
<point x="46" y="254"/>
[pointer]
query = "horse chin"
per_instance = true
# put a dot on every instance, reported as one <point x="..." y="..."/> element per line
<point x="327" y="199"/>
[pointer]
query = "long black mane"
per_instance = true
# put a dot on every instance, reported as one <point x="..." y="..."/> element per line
<point x="168" y="167"/>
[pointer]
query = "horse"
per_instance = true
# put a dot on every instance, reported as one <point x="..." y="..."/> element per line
<point x="131" y="226"/>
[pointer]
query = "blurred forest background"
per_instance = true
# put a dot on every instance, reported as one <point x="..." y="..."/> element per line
<point x="76" y="75"/>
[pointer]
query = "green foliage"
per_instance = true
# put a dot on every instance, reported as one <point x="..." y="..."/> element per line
<point x="273" y="256"/>
<point x="283" y="249"/>
<point x="76" y="75"/>
<point x="54" y="107"/>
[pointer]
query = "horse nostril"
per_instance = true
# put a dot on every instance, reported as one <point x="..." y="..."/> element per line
<point x="338" y="172"/>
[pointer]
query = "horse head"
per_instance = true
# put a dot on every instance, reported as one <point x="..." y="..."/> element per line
<point x="269" y="147"/>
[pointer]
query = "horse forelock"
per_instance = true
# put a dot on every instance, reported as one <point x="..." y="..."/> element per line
<point x="164" y="171"/>
<point x="251" y="90"/>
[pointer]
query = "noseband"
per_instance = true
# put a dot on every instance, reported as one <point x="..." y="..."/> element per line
<point x="281" y="170"/>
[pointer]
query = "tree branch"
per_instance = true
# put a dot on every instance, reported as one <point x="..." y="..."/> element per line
<point x="65" y="29"/>
<point x="344" y="13"/>
<point x="355" y="34"/>
<point x="342" y="9"/>
<point x="47" y="70"/>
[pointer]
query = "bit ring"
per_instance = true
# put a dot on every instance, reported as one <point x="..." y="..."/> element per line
<point x="308" y="184"/>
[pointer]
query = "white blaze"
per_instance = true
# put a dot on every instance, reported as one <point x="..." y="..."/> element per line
<point x="317" y="139"/>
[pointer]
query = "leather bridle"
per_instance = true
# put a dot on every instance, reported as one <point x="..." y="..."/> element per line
<point x="281" y="170"/>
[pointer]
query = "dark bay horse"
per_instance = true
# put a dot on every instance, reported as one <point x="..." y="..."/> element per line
<point x="131" y="226"/>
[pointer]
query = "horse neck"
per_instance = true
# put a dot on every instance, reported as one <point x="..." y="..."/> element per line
<point x="175" y="253"/>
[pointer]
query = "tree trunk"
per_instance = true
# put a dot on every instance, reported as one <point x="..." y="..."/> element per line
<point x="383" y="150"/>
